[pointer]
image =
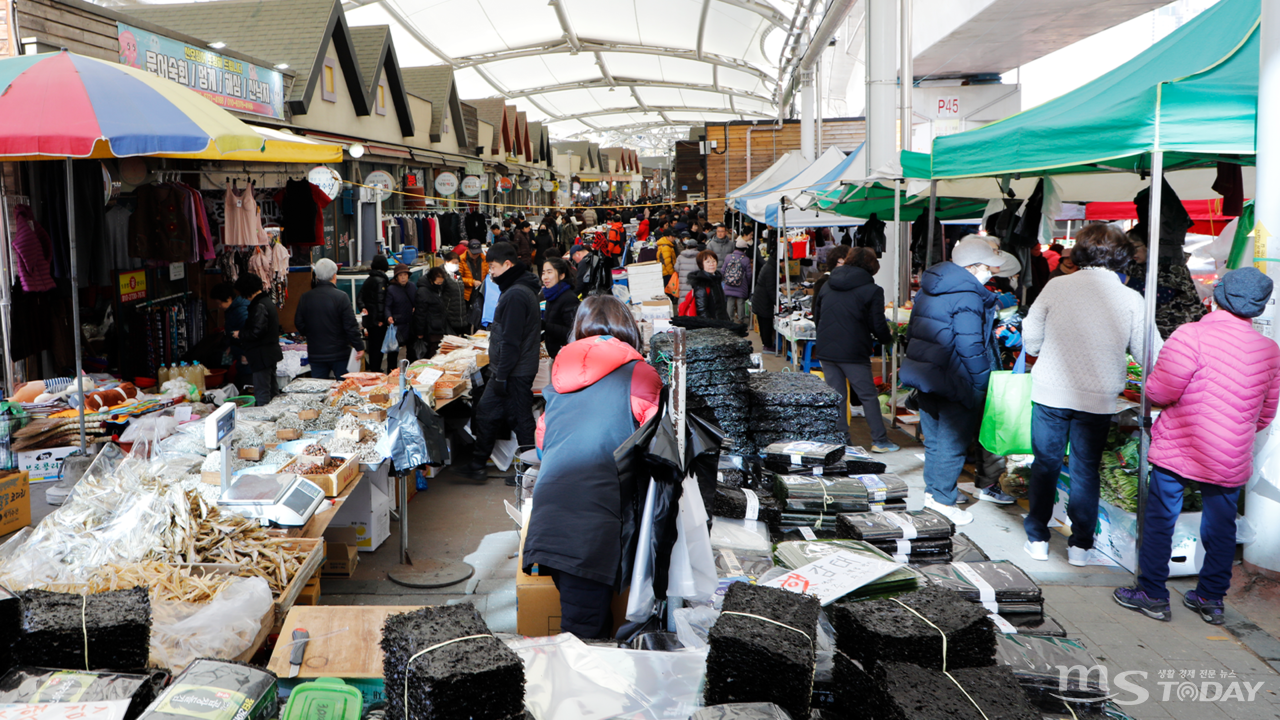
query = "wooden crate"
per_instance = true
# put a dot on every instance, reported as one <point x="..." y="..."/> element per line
<point x="448" y="388"/>
<point x="313" y="551"/>
<point x="333" y="483"/>
<point x="376" y="416"/>
<point x="288" y="434"/>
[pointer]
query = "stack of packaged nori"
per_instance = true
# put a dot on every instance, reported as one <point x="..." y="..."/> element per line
<point x="815" y="500"/>
<point x="218" y="689"/>
<point x="10" y="621"/>
<point x="807" y="453"/>
<point x="891" y="690"/>
<point x="736" y="563"/>
<point x="788" y="407"/>
<point x="478" y="678"/>
<point x="798" y="553"/>
<point x="856" y="461"/>
<point x="964" y="549"/>
<point x="918" y="537"/>
<point x="880" y="630"/>
<point x="58" y="629"/>
<point x="716" y="363"/>
<point x="763" y="660"/>
<point x="1037" y="664"/>
<point x="998" y="585"/>
<point x="742" y="711"/>
<point x="28" y="685"/>
<point x="747" y="504"/>
<point x="1029" y="624"/>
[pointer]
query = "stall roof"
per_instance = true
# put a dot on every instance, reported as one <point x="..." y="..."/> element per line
<point x="1193" y="95"/>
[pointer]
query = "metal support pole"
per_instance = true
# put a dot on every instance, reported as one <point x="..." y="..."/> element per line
<point x="6" y="291"/>
<point x="906" y="79"/>
<point x="1149" y="340"/>
<point x="806" y="115"/>
<point x="75" y="298"/>
<point x="933" y="222"/>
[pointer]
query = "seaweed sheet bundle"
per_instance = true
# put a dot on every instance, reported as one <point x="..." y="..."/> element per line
<point x="804" y="452"/>
<point x="716" y="373"/>
<point x="796" y="554"/>
<point x="963" y="549"/>
<point x="887" y="526"/>
<point x="763" y="660"/>
<point x="731" y="475"/>
<point x="879" y="630"/>
<point x="902" y="691"/>
<point x="788" y="389"/>
<point x="998" y="585"/>
<point x="921" y="551"/>
<point x="10" y="621"/>
<point x="828" y="494"/>
<point x="701" y="344"/>
<point x="110" y="630"/>
<point x="856" y="461"/>
<point x="478" y="678"/>
<point x="747" y="504"/>
<point x="1036" y="662"/>
<point x="218" y="689"/>
<point x="742" y="711"/>
<point x="1029" y="624"/>
<point x="28" y="685"/>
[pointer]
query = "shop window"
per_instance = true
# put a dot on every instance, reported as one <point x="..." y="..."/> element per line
<point x="328" y="84"/>
<point x="382" y="98"/>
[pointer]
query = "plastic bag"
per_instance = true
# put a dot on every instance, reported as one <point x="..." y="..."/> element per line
<point x="222" y="628"/>
<point x="693" y="624"/>
<point x="149" y="428"/>
<point x="416" y="434"/>
<point x="504" y="451"/>
<point x="390" y="344"/>
<point x="641" y="601"/>
<point x="355" y="363"/>
<point x="1006" y="422"/>
<point x="693" y="566"/>
<point x="749" y="535"/>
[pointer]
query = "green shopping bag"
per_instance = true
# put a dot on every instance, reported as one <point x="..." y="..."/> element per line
<point x="1006" y="422"/>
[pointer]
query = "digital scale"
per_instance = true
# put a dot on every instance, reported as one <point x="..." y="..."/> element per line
<point x="285" y="500"/>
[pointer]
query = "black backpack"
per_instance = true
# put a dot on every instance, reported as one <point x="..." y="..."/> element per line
<point x="593" y="276"/>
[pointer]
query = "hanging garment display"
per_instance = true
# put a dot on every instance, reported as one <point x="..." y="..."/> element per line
<point x="301" y="206"/>
<point x="159" y="229"/>
<point x="33" y="249"/>
<point x="243" y="225"/>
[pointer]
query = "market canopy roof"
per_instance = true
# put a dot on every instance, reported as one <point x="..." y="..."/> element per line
<point x="783" y="168"/>
<point x="764" y="205"/>
<point x="592" y="65"/>
<point x="1192" y="95"/>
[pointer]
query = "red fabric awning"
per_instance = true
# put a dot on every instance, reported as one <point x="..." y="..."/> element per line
<point x="1206" y="214"/>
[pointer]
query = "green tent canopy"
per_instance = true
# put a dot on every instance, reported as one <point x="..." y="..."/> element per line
<point x="876" y="198"/>
<point x="1193" y="95"/>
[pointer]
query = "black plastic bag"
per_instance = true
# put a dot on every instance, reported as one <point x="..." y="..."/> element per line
<point x="416" y="433"/>
<point x="633" y="474"/>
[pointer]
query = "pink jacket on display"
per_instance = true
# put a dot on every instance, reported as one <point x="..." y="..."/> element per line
<point x="1218" y="381"/>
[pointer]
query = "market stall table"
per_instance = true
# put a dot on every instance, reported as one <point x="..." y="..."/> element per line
<point x="343" y="643"/>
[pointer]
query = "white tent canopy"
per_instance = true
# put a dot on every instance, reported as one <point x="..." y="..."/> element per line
<point x="763" y="203"/>
<point x="596" y="65"/>
<point x="785" y="167"/>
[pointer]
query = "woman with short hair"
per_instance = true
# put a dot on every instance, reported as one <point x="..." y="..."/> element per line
<point x="707" y="285"/>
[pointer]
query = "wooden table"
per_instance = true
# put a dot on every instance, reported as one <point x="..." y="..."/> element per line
<point x="346" y="640"/>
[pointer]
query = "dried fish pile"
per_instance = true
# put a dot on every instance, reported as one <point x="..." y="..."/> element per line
<point x="365" y="451"/>
<point x="308" y="385"/>
<point x="163" y="582"/>
<point x="219" y="537"/>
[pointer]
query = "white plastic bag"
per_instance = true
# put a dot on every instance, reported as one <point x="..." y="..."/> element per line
<point x="504" y="451"/>
<point x="390" y="344"/>
<point x="747" y="535"/>
<point x="355" y="364"/>
<point x="693" y="624"/>
<point x="641" y="601"/>
<point x="693" y="566"/>
<point x="222" y="628"/>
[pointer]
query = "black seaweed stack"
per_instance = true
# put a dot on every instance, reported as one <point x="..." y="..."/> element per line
<point x="1011" y="591"/>
<point x="814" y="501"/>
<point x="918" y="537"/>
<point x="716" y="366"/>
<point x="794" y="406"/>
<point x="479" y="678"/>
<point x="902" y="691"/>
<point x="856" y="461"/>
<point x="55" y="628"/>
<point x="965" y="550"/>
<point x="218" y="688"/>
<point x="731" y="502"/>
<point x="1036" y="662"/>
<point x="25" y="685"/>
<point x="10" y="621"/>
<point x="881" y="630"/>
<point x="754" y="660"/>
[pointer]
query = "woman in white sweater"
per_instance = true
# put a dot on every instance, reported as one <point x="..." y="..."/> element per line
<point x="1079" y="329"/>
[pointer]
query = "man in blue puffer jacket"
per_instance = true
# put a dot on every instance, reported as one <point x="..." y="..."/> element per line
<point x="951" y="352"/>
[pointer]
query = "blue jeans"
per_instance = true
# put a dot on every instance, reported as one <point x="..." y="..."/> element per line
<point x="326" y="369"/>
<point x="1051" y="429"/>
<point x="948" y="429"/>
<point x="1217" y="532"/>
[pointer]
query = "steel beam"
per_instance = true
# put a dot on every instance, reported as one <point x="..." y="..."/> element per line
<point x="590" y="45"/>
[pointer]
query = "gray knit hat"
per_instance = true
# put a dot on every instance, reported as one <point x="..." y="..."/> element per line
<point x="1244" y="292"/>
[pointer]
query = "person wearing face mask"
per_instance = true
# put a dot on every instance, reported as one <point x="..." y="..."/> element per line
<point x="451" y="292"/>
<point x="1079" y="330"/>
<point x="951" y="352"/>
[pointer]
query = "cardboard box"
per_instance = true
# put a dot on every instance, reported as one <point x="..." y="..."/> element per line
<point x="310" y="594"/>
<point x="332" y="483"/>
<point x="538" y="603"/>
<point x="15" y="502"/>
<point x="44" y="464"/>
<point x="368" y="510"/>
<point x="288" y="434"/>
<point x="341" y="553"/>
<point x="379" y="398"/>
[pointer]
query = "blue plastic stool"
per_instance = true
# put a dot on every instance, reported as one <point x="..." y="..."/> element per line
<point x="808" y="363"/>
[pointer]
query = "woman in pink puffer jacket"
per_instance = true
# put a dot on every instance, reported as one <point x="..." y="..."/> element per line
<point x="1218" y="381"/>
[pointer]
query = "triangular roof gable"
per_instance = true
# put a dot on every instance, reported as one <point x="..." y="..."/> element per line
<point x="492" y="111"/>
<point x="299" y="35"/>
<point x="435" y="84"/>
<point x="376" y="54"/>
<point x="522" y="135"/>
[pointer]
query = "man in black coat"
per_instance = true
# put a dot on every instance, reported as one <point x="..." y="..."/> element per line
<point x="372" y="304"/>
<point x="515" y="336"/>
<point x="852" y="316"/>
<point x="325" y="318"/>
<point x="764" y="299"/>
<point x="260" y="338"/>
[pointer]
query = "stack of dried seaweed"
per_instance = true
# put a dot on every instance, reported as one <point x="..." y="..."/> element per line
<point x="10" y="620"/>
<point x="794" y="406"/>
<point x="110" y="630"/>
<point x="910" y="628"/>
<point x="919" y="537"/>
<point x="716" y="367"/>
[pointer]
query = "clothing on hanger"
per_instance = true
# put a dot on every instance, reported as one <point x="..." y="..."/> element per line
<point x="243" y="224"/>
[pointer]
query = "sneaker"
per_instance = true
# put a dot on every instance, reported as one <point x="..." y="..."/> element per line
<point x="951" y="512"/>
<point x="887" y="447"/>
<point x="1211" y="611"/>
<point x="1037" y="550"/>
<point x="1077" y="556"/>
<point x="995" y="495"/>
<point x="1137" y="600"/>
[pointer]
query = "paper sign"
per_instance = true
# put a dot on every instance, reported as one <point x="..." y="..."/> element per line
<point x="834" y="576"/>
<point x="133" y="285"/>
<point x="807" y="534"/>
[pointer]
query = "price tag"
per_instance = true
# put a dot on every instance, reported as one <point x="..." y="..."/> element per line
<point x="177" y="271"/>
<point x="807" y="533"/>
<point x="797" y="459"/>
<point x="753" y="504"/>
